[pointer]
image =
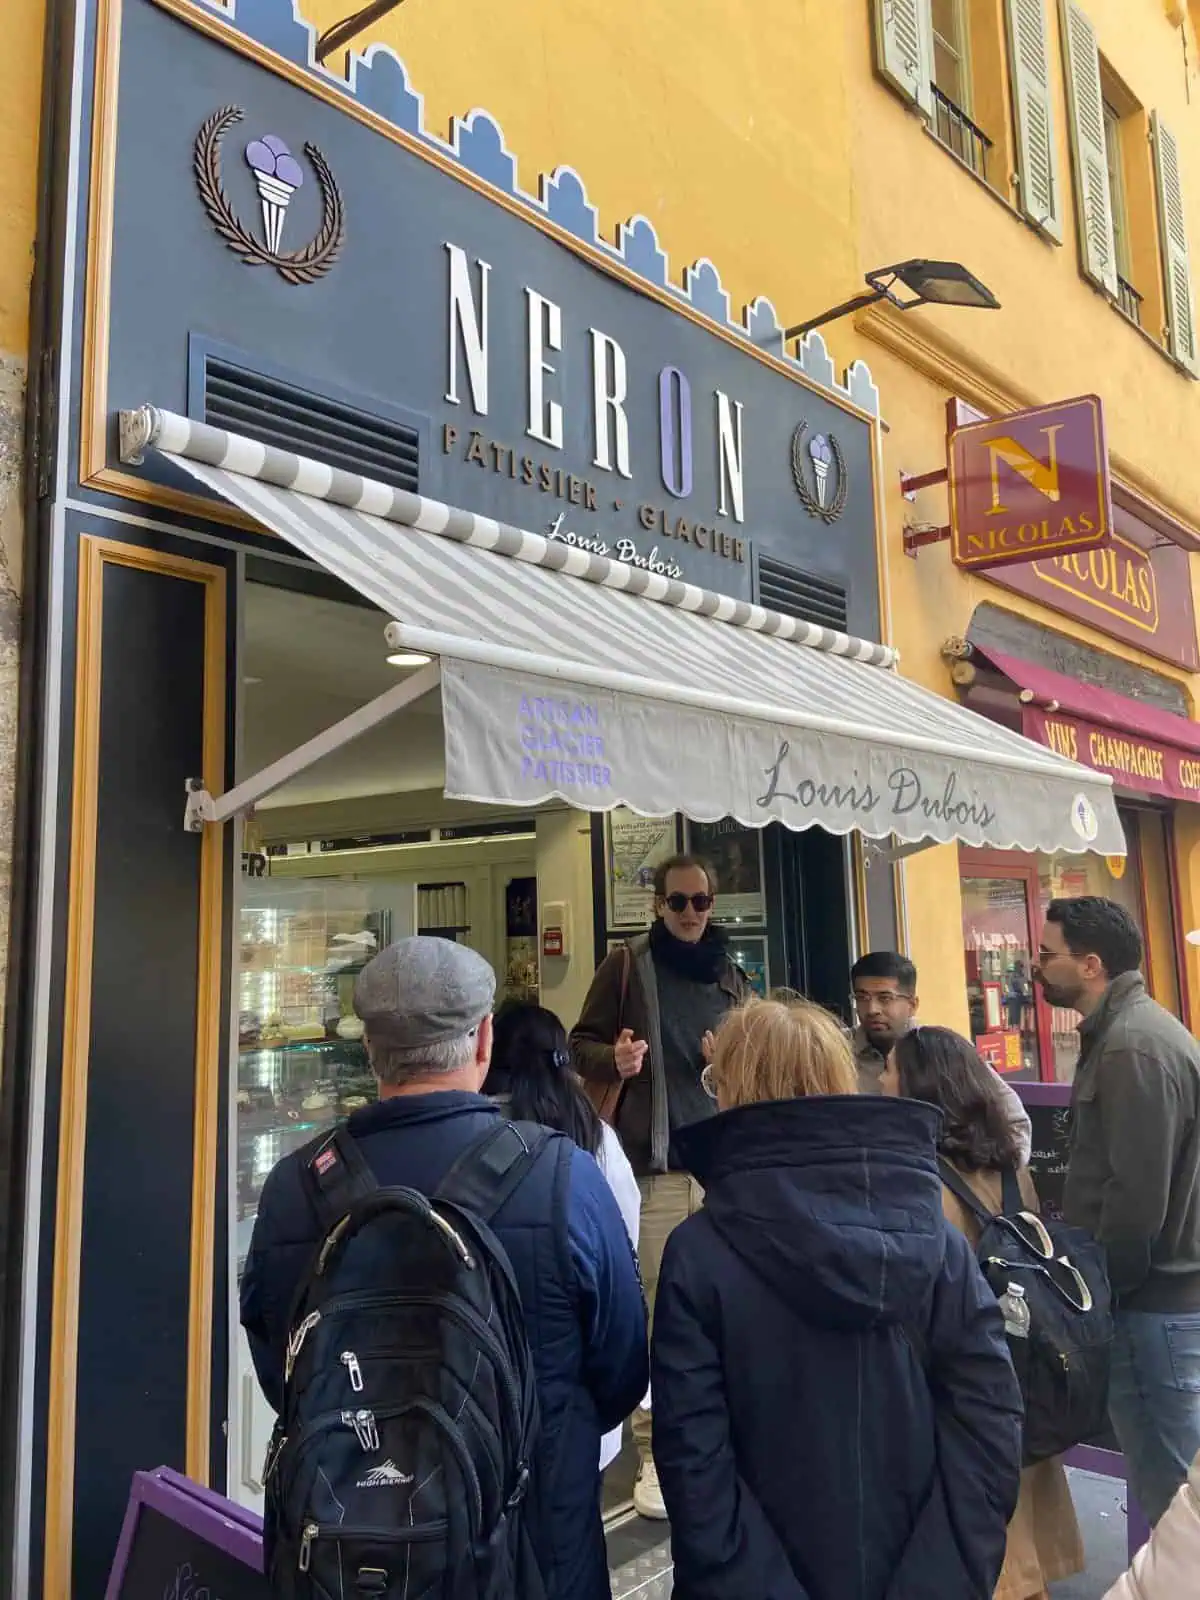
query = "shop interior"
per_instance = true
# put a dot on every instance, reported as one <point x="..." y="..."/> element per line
<point x="1004" y="897"/>
<point x="363" y="848"/>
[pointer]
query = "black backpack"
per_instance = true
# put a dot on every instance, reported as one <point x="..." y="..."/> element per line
<point x="400" y="1463"/>
<point x="1063" y="1364"/>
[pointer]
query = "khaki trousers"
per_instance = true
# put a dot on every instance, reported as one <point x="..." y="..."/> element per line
<point x="668" y="1198"/>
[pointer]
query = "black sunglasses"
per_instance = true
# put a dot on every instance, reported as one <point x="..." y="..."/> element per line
<point x="680" y="902"/>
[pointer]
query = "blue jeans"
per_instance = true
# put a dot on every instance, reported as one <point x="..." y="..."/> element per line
<point x="1154" y="1402"/>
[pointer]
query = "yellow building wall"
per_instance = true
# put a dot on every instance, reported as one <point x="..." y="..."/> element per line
<point x="761" y="138"/>
<point x="20" y="112"/>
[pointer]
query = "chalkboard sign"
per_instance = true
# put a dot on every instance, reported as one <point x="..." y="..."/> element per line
<point x="1048" y="1163"/>
<point x="183" y="1542"/>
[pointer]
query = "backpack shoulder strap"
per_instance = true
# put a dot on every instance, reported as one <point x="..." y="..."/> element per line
<point x="337" y="1175"/>
<point x="492" y="1167"/>
<point x="1012" y="1202"/>
<point x="959" y="1187"/>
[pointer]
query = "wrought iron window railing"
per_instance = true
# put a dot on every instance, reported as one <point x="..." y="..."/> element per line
<point x="954" y="128"/>
<point x="1129" y="301"/>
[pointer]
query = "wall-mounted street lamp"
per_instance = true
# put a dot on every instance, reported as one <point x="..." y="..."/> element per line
<point x="938" y="283"/>
<point x="337" y="37"/>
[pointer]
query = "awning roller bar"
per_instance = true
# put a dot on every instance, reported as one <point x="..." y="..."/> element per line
<point x="166" y="431"/>
<point x="202" y="808"/>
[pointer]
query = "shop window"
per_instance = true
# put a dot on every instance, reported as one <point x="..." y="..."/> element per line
<point x="1129" y="196"/>
<point x="1005" y="895"/>
<point x="979" y="74"/>
<point x="999" y="947"/>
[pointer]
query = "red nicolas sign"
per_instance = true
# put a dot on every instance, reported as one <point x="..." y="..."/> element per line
<point x="1030" y="486"/>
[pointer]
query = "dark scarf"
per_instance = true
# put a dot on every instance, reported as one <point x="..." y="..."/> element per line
<point x="702" y="962"/>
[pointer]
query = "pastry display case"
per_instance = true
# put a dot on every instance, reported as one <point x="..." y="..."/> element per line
<point x="301" y="1063"/>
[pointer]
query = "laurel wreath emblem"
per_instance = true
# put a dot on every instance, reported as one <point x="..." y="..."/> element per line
<point x="808" y="499"/>
<point x="299" y="266"/>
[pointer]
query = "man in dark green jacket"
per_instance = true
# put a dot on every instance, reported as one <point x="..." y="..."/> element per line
<point x="1133" y="1181"/>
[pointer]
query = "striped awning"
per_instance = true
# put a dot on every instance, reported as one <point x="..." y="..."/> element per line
<point x="572" y="676"/>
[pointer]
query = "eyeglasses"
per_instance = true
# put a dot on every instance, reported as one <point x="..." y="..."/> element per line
<point x="698" y="902"/>
<point x="707" y="1084"/>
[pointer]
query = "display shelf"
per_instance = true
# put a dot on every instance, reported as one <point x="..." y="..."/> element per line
<point x="293" y="973"/>
<point x="250" y="1048"/>
<point x="350" y="970"/>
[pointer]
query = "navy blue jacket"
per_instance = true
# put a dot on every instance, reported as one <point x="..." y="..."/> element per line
<point x="803" y="1452"/>
<point x="583" y="1303"/>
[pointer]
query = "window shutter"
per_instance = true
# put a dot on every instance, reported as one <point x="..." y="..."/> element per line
<point x="1029" y="62"/>
<point x="1085" y="101"/>
<point x="1181" y="313"/>
<point x="904" y="48"/>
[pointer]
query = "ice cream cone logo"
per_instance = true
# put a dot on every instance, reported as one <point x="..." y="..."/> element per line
<point x="278" y="175"/>
<point x="819" y="473"/>
<point x="822" y="459"/>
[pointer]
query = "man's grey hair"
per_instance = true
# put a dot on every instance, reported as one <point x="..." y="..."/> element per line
<point x="396" y="1065"/>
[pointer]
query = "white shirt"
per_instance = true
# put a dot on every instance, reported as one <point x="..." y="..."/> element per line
<point x="614" y="1164"/>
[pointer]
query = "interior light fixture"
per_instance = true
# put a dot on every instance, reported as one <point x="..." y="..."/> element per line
<point x="940" y="283"/>
<point x="409" y="658"/>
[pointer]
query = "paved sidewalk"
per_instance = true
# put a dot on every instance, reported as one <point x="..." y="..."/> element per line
<point x="1100" y="1506"/>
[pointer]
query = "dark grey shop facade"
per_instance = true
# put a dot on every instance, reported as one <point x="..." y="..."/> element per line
<point x="256" y="246"/>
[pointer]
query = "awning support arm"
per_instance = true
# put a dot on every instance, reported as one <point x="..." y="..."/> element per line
<point x="889" y="855"/>
<point x="203" y="808"/>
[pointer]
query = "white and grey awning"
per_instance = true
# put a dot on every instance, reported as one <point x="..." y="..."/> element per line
<point x="572" y="676"/>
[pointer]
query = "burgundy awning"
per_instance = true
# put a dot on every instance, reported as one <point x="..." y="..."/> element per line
<point x="1140" y="746"/>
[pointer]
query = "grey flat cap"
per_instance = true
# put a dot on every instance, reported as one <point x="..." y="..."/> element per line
<point x="423" y="991"/>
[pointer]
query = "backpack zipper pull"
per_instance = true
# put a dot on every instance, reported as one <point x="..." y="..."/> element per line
<point x="310" y="1533"/>
<point x="350" y="1361"/>
<point x="297" y="1340"/>
<point x="365" y="1430"/>
<point x="370" y="1430"/>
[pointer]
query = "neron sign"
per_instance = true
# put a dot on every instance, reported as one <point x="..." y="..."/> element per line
<point x="530" y="370"/>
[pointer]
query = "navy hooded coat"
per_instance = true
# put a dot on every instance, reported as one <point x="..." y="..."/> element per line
<point x="835" y="1412"/>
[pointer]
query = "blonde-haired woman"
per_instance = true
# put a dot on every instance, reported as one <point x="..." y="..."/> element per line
<point x="835" y="1412"/>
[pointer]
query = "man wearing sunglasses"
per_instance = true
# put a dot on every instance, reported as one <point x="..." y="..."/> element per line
<point x="641" y="1044"/>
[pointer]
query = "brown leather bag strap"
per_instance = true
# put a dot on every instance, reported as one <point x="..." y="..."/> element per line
<point x="626" y="964"/>
<point x="607" y="1097"/>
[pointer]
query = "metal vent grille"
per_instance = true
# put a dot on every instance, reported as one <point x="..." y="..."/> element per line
<point x="282" y="414"/>
<point x="800" y="594"/>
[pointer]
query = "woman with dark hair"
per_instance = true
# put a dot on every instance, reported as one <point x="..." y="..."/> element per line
<point x="531" y="1077"/>
<point x="943" y="1069"/>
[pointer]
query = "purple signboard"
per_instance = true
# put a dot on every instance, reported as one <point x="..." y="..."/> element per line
<point x="180" y="1541"/>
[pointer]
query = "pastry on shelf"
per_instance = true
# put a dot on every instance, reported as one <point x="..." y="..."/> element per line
<point x="303" y="1032"/>
<point x="350" y="1028"/>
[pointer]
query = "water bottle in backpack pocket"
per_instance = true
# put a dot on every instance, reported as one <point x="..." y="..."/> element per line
<point x="1051" y="1283"/>
<point x="401" y="1461"/>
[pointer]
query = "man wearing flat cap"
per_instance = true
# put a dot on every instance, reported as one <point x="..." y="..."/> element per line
<point x="426" y="1005"/>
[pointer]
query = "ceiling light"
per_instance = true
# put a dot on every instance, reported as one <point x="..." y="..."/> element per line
<point x="409" y="658"/>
